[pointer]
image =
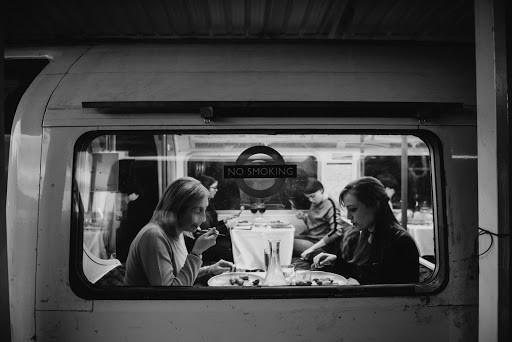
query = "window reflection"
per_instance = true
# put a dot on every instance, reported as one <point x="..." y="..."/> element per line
<point x="120" y="178"/>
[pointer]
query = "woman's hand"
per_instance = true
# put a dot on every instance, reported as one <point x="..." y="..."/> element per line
<point x="304" y="255"/>
<point x="221" y="266"/>
<point x="205" y="241"/>
<point x="323" y="259"/>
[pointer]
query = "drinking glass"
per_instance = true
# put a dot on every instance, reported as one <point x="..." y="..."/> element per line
<point x="254" y="210"/>
<point x="302" y="276"/>
<point x="289" y="273"/>
<point x="262" y="208"/>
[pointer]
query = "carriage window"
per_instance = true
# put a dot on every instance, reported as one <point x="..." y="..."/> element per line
<point x="273" y="203"/>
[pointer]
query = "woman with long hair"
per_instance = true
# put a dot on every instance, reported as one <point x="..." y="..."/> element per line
<point x="376" y="249"/>
<point x="158" y="255"/>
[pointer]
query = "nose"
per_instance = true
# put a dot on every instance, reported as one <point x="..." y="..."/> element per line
<point x="350" y="216"/>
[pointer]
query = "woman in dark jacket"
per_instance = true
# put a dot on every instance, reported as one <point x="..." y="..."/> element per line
<point x="376" y="250"/>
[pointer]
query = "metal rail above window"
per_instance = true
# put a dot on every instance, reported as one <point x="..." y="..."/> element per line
<point x="216" y="109"/>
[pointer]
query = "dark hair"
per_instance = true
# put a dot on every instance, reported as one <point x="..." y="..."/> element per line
<point x="207" y="181"/>
<point x="180" y="195"/>
<point x="313" y="186"/>
<point x="371" y="192"/>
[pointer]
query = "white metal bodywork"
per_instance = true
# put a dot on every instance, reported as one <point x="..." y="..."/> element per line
<point x="40" y="173"/>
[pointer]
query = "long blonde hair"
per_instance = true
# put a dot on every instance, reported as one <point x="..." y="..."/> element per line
<point x="180" y="195"/>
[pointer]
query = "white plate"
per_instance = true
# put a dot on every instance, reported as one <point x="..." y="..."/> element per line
<point x="224" y="279"/>
<point x="280" y="225"/>
<point x="279" y="222"/>
<point x="321" y="275"/>
<point x="352" y="281"/>
<point x="243" y="227"/>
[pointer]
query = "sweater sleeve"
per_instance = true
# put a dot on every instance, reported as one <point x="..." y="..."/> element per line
<point x="336" y="223"/>
<point x="156" y="260"/>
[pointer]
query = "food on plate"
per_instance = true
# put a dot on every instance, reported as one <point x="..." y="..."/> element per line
<point x="303" y="283"/>
<point x="323" y="281"/>
<point x="316" y="282"/>
<point x="243" y="280"/>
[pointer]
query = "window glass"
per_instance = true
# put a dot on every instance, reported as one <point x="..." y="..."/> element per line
<point x="261" y="187"/>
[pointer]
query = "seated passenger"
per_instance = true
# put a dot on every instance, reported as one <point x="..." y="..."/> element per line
<point x="376" y="250"/>
<point x="390" y="185"/>
<point x="158" y="256"/>
<point x="323" y="222"/>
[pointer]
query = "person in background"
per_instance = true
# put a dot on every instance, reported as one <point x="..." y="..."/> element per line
<point x="212" y="218"/>
<point x="222" y="249"/>
<point x="323" y="222"/>
<point x="390" y="186"/>
<point x="139" y="194"/>
<point x="376" y="249"/>
<point x="158" y="255"/>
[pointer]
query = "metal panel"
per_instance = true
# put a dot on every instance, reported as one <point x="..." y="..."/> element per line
<point x="271" y="320"/>
<point x="23" y="188"/>
<point x="249" y="19"/>
<point x="268" y="73"/>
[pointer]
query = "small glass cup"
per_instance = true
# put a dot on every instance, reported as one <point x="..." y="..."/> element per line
<point x="289" y="273"/>
<point x="302" y="277"/>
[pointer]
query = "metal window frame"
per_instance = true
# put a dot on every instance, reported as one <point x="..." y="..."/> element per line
<point x="84" y="289"/>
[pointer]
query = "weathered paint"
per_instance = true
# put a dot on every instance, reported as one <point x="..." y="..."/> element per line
<point x="493" y="170"/>
<point x="22" y="205"/>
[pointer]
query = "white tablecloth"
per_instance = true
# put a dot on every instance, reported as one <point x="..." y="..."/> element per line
<point x="248" y="246"/>
<point x="424" y="237"/>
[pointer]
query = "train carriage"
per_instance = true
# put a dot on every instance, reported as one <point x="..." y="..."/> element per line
<point x="102" y="120"/>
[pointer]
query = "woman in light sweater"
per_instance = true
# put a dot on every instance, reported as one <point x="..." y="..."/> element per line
<point x="158" y="256"/>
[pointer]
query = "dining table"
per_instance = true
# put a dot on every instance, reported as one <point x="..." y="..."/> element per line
<point x="423" y="235"/>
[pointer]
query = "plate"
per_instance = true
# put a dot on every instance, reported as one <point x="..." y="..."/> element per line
<point x="352" y="281"/>
<point x="321" y="276"/>
<point x="228" y="278"/>
<point x="243" y="225"/>
<point x="279" y="224"/>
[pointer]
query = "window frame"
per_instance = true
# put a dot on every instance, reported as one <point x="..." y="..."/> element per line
<point x="435" y="284"/>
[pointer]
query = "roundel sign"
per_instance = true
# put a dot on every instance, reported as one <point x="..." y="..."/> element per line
<point x="260" y="171"/>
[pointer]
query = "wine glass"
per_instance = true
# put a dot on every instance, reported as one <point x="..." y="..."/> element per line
<point x="254" y="210"/>
<point x="262" y="208"/>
